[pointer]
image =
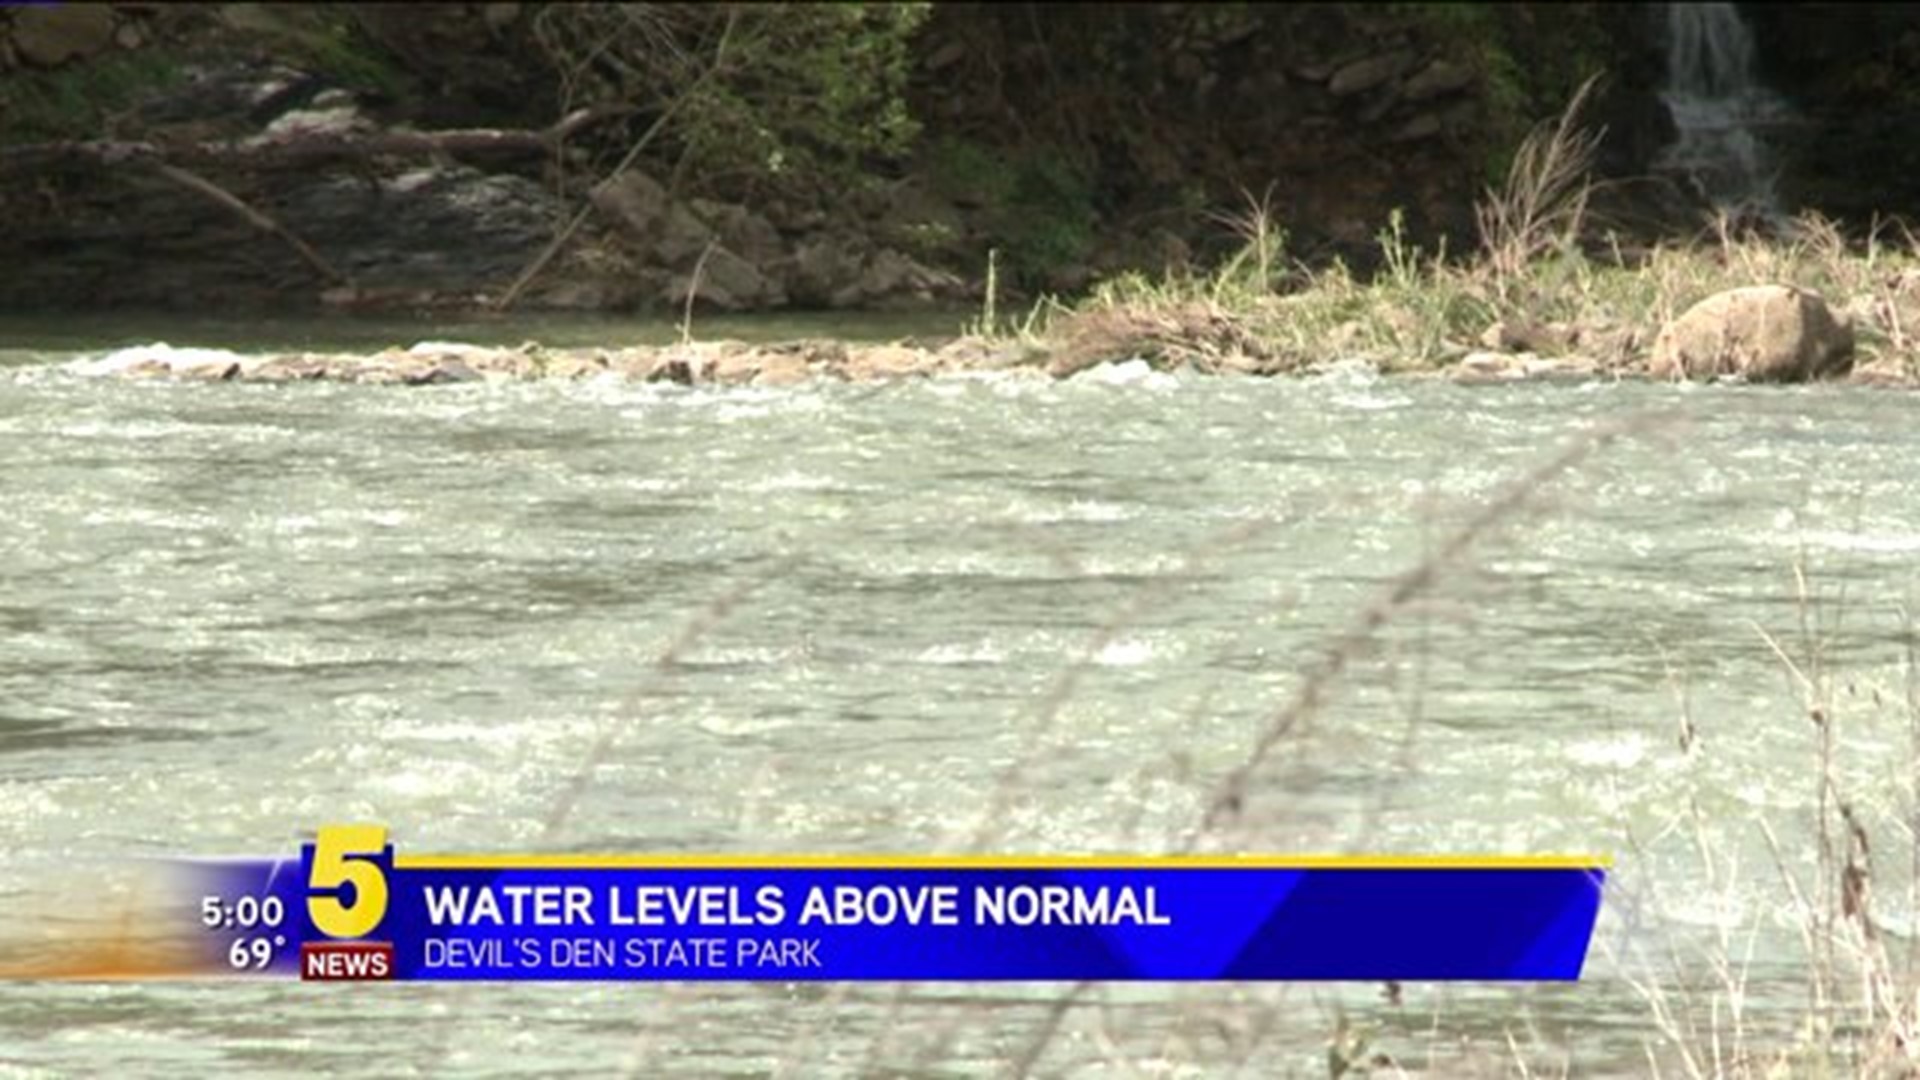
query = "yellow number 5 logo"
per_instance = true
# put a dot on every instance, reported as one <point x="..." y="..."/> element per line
<point x="342" y="855"/>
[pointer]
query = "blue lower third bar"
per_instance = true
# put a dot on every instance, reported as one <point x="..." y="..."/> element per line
<point x="1152" y="922"/>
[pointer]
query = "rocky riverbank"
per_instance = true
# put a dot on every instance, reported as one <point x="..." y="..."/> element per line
<point x="1765" y="333"/>
<point x="722" y="363"/>
<point x="431" y="363"/>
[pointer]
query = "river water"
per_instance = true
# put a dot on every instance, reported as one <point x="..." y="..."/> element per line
<point x="988" y="613"/>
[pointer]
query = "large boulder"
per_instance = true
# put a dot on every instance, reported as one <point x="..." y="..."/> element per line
<point x="723" y="281"/>
<point x="741" y="231"/>
<point x="825" y="267"/>
<point x="1764" y="333"/>
<point x="634" y="201"/>
<point x="683" y="237"/>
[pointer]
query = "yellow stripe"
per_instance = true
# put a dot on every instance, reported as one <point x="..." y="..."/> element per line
<point x="552" y="861"/>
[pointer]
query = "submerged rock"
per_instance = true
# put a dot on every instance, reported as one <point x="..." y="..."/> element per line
<point x="446" y="371"/>
<point x="1763" y="333"/>
<point x="160" y="358"/>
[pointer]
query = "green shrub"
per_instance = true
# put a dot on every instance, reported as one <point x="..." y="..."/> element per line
<point x="81" y="101"/>
<point x="1048" y="221"/>
<point x="760" y="92"/>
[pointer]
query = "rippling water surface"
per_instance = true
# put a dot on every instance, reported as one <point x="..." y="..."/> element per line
<point x="1035" y="616"/>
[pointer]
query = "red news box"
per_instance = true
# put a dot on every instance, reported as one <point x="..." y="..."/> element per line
<point x="346" y="960"/>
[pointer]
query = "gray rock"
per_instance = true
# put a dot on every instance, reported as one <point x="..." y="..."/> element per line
<point x="1439" y="78"/>
<point x="1424" y="126"/>
<point x="894" y="282"/>
<point x="1318" y="70"/>
<point x="823" y="268"/>
<point x="725" y="281"/>
<point x="741" y="279"/>
<point x="743" y="232"/>
<point x="888" y="273"/>
<point x="499" y="16"/>
<point x="1368" y="72"/>
<point x="446" y="232"/>
<point x="634" y="201"/>
<point x="49" y="36"/>
<point x="702" y="290"/>
<point x="683" y="237"/>
<point x="448" y="228"/>
<point x="1764" y="333"/>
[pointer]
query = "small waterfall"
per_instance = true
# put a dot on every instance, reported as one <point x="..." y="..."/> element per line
<point x="1719" y="108"/>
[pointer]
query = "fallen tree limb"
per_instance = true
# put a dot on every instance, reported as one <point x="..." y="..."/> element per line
<point x="177" y="162"/>
<point x="195" y="182"/>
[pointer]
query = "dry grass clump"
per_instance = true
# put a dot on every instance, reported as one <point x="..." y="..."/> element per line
<point x="1541" y="282"/>
<point x="1541" y="210"/>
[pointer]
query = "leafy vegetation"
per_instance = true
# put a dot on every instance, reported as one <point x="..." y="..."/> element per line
<point x="81" y="102"/>
<point x="1047" y="222"/>
<point x="1037" y="208"/>
<point x="750" y="95"/>
<point x="337" y="48"/>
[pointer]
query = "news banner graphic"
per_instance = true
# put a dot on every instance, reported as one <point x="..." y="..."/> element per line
<point x="350" y="907"/>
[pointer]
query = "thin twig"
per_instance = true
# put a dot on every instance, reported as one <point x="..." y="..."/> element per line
<point x="195" y="182"/>
<point x="693" y="291"/>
